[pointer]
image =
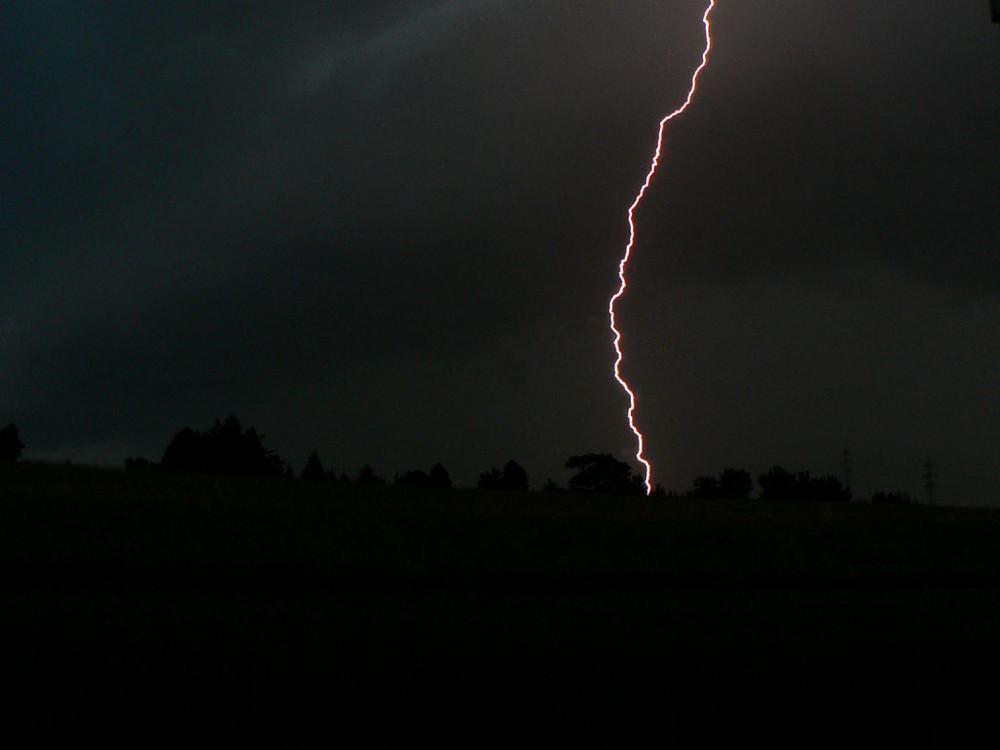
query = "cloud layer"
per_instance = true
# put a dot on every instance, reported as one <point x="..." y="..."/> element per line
<point x="383" y="229"/>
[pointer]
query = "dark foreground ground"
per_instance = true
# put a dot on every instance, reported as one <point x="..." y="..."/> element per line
<point x="153" y="610"/>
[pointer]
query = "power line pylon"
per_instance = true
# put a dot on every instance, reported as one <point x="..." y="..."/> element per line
<point x="930" y="480"/>
<point x="846" y="455"/>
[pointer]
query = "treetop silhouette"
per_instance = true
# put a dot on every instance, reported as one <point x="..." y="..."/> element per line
<point x="780" y="484"/>
<point x="224" y="448"/>
<point x="731" y="484"/>
<point x="313" y="468"/>
<point x="602" y="472"/>
<point x="513" y="478"/>
<point x="10" y="443"/>
<point x="436" y="478"/>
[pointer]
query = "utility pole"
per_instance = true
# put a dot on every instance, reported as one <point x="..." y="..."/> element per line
<point x="930" y="480"/>
<point x="847" y="470"/>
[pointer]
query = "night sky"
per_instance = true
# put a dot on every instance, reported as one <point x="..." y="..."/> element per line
<point x="388" y="231"/>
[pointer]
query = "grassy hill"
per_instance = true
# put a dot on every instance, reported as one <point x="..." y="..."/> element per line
<point x="144" y="607"/>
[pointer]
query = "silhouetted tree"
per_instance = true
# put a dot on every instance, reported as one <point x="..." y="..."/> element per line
<point x="735" y="484"/>
<point x="235" y="450"/>
<point x="892" y="498"/>
<point x="705" y="488"/>
<point x="731" y="484"/>
<point x="827" y="489"/>
<point x="185" y="453"/>
<point x="137" y="463"/>
<point x="414" y="478"/>
<point x="490" y="480"/>
<point x="10" y="443"/>
<point x="779" y="484"/>
<point x="439" y="477"/>
<point x="513" y="478"/>
<point x="367" y="475"/>
<point x="313" y="468"/>
<point x="602" y="472"/>
<point x="224" y="448"/>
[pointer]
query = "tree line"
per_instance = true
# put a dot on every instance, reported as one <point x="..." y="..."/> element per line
<point x="775" y="484"/>
<point x="228" y="448"/>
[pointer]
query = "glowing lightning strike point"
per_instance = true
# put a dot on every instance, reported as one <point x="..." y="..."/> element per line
<point x="631" y="243"/>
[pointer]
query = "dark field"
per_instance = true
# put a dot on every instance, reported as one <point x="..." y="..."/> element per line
<point x="148" y="609"/>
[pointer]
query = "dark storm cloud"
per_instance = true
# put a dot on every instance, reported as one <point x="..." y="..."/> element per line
<point x="296" y="209"/>
<point x="390" y="169"/>
<point x="836" y="134"/>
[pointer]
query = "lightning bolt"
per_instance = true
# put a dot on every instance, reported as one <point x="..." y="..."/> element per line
<point x="631" y="243"/>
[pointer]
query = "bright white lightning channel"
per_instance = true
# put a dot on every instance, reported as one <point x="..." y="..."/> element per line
<point x="631" y="242"/>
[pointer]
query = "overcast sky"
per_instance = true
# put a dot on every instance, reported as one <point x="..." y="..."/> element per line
<point x="388" y="231"/>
